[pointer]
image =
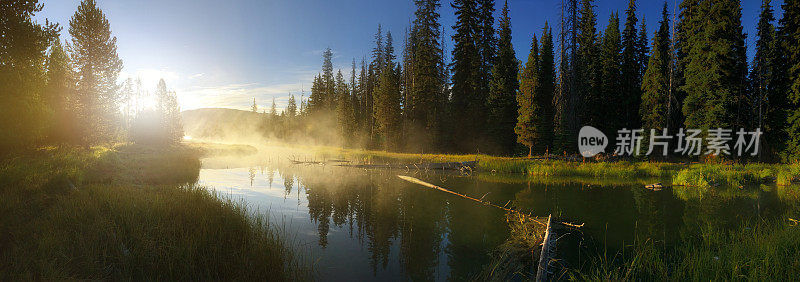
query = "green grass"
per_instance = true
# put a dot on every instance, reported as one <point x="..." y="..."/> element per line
<point x="763" y="251"/>
<point x="695" y="174"/>
<point x="132" y="214"/>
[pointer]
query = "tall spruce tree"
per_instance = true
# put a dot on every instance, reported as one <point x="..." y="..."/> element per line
<point x="426" y="99"/>
<point x="355" y="97"/>
<point x="630" y="88"/>
<point x="529" y="113"/>
<point x="655" y="83"/>
<point x="587" y="84"/>
<point x="503" y="87"/>
<point x="94" y="53"/>
<point x="715" y="66"/>
<point x="486" y="41"/>
<point x="769" y="85"/>
<point x="547" y="87"/>
<point x="388" y="99"/>
<point x="316" y="99"/>
<point x="567" y="100"/>
<point x="328" y="82"/>
<point x="468" y="98"/>
<point x="790" y="37"/>
<point x="610" y="62"/>
<point x="486" y="44"/>
<point x="685" y="27"/>
<point x="291" y="107"/>
<point x="344" y="113"/>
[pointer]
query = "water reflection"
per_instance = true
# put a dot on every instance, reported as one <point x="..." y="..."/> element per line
<point x="371" y="225"/>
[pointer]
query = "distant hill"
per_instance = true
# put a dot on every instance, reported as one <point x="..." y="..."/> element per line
<point x="220" y="124"/>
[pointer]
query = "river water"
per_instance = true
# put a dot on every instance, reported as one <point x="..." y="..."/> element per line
<point x="359" y="224"/>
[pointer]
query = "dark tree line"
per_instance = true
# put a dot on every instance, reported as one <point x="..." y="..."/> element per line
<point x="692" y="73"/>
<point x="54" y="93"/>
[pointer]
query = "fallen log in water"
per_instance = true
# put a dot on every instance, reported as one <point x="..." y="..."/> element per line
<point x="469" y="165"/>
<point x="426" y="184"/>
<point x="548" y="262"/>
<point x="547" y="255"/>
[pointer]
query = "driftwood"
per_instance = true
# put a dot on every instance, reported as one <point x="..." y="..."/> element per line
<point x="470" y="165"/>
<point x="548" y="253"/>
<point x="426" y="184"/>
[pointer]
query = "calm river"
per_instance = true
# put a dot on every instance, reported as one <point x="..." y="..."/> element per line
<point x="369" y="225"/>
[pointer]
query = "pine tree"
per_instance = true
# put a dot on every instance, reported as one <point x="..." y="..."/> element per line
<point x="610" y="62"/>
<point x="328" y="97"/>
<point x="291" y="107"/>
<point x="316" y="99"/>
<point x="362" y="98"/>
<point x="426" y="100"/>
<point x="567" y="100"/>
<point x="168" y="112"/>
<point x="503" y="88"/>
<point x="685" y="27"/>
<point x="58" y="94"/>
<point x="273" y="110"/>
<point x="378" y="55"/>
<point x="769" y="84"/>
<point x="355" y="98"/>
<point x="643" y="49"/>
<point x="547" y="86"/>
<point x="529" y="116"/>
<point x="715" y="67"/>
<point x="23" y="43"/>
<point x="587" y="84"/>
<point x="486" y="42"/>
<point x="630" y="88"/>
<point x="94" y="54"/>
<point x="655" y="83"/>
<point x="790" y="37"/>
<point x="388" y="99"/>
<point x="343" y="111"/>
<point x="467" y="100"/>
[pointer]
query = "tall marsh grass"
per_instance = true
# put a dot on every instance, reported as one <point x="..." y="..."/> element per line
<point x="762" y="251"/>
<point x="129" y="212"/>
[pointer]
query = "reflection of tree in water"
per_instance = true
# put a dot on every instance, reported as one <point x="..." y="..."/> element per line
<point x="270" y="175"/>
<point x="383" y="211"/>
<point x="656" y="214"/>
<point x="474" y="230"/>
<point x="421" y="230"/>
<point x="288" y="181"/>
<point x="721" y="209"/>
<point x="252" y="175"/>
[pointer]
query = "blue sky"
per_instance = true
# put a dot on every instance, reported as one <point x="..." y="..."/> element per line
<point x="223" y="53"/>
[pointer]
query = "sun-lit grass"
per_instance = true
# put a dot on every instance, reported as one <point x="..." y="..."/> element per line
<point x="127" y="212"/>
<point x="695" y="175"/>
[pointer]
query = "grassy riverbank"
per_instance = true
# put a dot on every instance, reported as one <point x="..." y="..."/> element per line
<point x="763" y="251"/>
<point x="686" y="174"/>
<point x="127" y="212"/>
